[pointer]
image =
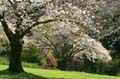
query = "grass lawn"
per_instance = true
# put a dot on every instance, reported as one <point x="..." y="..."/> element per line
<point x="35" y="73"/>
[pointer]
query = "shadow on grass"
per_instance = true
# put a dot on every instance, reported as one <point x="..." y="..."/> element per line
<point x="7" y="75"/>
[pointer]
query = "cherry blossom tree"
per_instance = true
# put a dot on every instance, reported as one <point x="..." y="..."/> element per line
<point x="17" y="18"/>
<point x="92" y="17"/>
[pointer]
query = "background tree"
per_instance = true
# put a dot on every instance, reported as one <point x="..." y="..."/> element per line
<point x="92" y="17"/>
<point x="67" y="44"/>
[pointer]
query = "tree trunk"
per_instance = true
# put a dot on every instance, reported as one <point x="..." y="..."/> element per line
<point x="15" y="57"/>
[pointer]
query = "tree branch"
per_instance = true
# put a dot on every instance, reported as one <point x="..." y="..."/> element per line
<point x="35" y="24"/>
<point x="43" y="22"/>
<point x="6" y="29"/>
<point x="10" y="2"/>
<point x="54" y="46"/>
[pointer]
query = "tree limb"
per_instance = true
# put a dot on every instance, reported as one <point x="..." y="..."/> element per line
<point x="14" y="6"/>
<point x="6" y="29"/>
<point x="43" y="22"/>
<point x="35" y="24"/>
<point x="54" y="46"/>
<point x="10" y="2"/>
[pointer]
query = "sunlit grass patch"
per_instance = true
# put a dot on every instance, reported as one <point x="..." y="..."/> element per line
<point x="35" y="73"/>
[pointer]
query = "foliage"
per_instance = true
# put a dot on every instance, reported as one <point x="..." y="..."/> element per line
<point x="32" y="54"/>
<point x="115" y="54"/>
<point x="95" y="18"/>
<point x="99" y="67"/>
<point x="30" y="65"/>
<point x="67" y="44"/>
<point x="115" y="64"/>
<point x="4" y="46"/>
<point x="112" y="41"/>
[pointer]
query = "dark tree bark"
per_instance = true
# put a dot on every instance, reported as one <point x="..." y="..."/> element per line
<point x="15" y="56"/>
<point x="16" y="45"/>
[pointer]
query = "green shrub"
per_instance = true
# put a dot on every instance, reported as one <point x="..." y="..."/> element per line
<point x="31" y="54"/>
<point x="32" y="65"/>
<point x="4" y="46"/>
<point x="114" y="67"/>
<point x="98" y="66"/>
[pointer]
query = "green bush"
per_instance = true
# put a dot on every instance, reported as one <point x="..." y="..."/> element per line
<point x="32" y="65"/>
<point x="31" y="54"/>
<point x="114" y="67"/>
<point x="4" y="46"/>
<point x="98" y="66"/>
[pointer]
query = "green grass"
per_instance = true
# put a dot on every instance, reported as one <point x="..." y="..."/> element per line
<point x="4" y="61"/>
<point x="35" y="73"/>
<point x="118" y="74"/>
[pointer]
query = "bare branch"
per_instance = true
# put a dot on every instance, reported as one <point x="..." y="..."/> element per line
<point x="35" y="24"/>
<point x="10" y="2"/>
<point x="43" y="22"/>
<point x="53" y="45"/>
<point x="3" y="14"/>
